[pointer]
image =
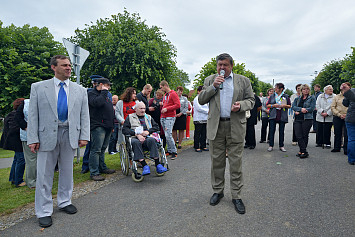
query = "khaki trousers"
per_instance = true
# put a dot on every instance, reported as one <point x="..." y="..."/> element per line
<point x="218" y="147"/>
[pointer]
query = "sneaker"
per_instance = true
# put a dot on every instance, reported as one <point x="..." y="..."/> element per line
<point x="173" y="156"/>
<point x="270" y="148"/>
<point x="21" y="184"/>
<point x="112" y="153"/>
<point x="294" y="143"/>
<point x="282" y="149"/>
<point x="108" y="171"/>
<point x="97" y="178"/>
<point x="146" y="170"/>
<point x="327" y="146"/>
<point x="161" y="169"/>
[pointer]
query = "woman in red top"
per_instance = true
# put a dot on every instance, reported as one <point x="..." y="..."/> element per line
<point x="125" y="106"/>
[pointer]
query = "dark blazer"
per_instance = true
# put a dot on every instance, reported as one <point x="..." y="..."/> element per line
<point x="10" y="139"/>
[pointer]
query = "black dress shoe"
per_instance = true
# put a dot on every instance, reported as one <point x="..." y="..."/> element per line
<point x="198" y="150"/>
<point x="216" y="197"/>
<point x="246" y="146"/>
<point x="239" y="206"/>
<point x="304" y="155"/>
<point x="252" y="147"/>
<point x="261" y="141"/>
<point x="70" y="209"/>
<point x="319" y="145"/>
<point x="351" y="163"/>
<point x="335" y="150"/>
<point x="45" y="221"/>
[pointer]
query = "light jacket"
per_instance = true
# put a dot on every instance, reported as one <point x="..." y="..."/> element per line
<point x="323" y="104"/>
<point x="337" y="106"/>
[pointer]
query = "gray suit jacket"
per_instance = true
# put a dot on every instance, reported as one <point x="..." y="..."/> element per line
<point x="43" y="117"/>
<point x="243" y="93"/>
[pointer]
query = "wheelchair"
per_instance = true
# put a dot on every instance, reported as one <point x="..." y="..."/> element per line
<point x="127" y="162"/>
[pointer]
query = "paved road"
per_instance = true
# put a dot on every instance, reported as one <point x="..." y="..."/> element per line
<point x="284" y="196"/>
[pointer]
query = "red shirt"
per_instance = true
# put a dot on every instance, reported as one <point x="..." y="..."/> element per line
<point x="171" y="102"/>
<point x="128" y="108"/>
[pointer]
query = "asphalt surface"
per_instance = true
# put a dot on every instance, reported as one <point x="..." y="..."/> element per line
<point x="284" y="196"/>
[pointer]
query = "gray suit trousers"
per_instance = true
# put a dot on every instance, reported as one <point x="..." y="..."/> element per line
<point x="46" y="162"/>
<point x="218" y="147"/>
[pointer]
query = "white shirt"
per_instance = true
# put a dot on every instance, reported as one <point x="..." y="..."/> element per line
<point x="226" y="95"/>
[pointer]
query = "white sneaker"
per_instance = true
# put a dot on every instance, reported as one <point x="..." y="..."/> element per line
<point x="294" y="143"/>
<point x="270" y="148"/>
<point x="282" y="149"/>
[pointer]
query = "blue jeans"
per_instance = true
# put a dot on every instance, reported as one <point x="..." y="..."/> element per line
<point x="168" y="124"/>
<point x="351" y="141"/>
<point x="17" y="168"/>
<point x="100" y="138"/>
<point x="113" y="140"/>
<point x="272" y="129"/>
<point x="85" y="165"/>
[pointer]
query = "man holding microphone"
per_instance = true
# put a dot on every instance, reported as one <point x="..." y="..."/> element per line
<point x="226" y="126"/>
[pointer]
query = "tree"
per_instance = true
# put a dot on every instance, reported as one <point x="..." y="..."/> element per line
<point x="330" y="75"/>
<point x="348" y="69"/>
<point x="24" y="59"/>
<point x="211" y="68"/>
<point x="289" y="92"/>
<point x="263" y="87"/>
<point x="128" y="52"/>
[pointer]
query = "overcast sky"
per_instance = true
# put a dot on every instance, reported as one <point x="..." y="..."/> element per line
<point x="285" y="40"/>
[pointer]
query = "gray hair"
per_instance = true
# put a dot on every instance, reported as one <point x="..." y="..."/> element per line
<point x="327" y="87"/>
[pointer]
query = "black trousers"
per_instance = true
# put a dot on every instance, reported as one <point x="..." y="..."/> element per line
<point x="264" y="125"/>
<point x="339" y="130"/>
<point x="200" y="135"/>
<point x="250" y="135"/>
<point x="323" y="133"/>
<point x="301" y="129"/>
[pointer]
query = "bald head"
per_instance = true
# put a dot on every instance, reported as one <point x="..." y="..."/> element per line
<point x="114" y="99"/>
<point x="140" y="108"/>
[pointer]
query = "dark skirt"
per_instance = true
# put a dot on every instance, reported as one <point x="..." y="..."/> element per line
<point x="180" y="123"/>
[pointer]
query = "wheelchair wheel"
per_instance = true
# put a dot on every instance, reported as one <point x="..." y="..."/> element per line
<point x="163" y="160"/>
<point x="124" y="159"/>
<point x="137" y="173"/>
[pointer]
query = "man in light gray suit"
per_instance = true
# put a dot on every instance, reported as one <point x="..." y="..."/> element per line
<point x="58" y="124"/>
<point x="226" y="125"/>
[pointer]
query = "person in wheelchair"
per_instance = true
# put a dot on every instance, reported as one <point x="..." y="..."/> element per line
<point x="140" y="125"/>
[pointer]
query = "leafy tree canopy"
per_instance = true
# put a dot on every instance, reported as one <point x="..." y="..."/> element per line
<point x="263" y="87"/>
<point x="239" y="68"/>
<point x="24" y="59"/>
<point x="330" y="75"/>
<point x="128" y="52"/>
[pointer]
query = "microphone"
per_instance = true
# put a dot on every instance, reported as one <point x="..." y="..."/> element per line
<point x="221" y="73"/>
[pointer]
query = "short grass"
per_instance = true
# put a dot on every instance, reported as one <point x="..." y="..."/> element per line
<point x="6" y="153"/>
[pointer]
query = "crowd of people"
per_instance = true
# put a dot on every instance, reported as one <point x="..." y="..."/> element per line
<point x="323" y="111"/>
<point x="45" y="130"/>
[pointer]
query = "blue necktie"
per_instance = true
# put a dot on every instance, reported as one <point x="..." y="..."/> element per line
<point x="62" y="105"/>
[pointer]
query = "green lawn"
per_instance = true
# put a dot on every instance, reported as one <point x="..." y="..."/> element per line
<point x="6" y="153"/>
